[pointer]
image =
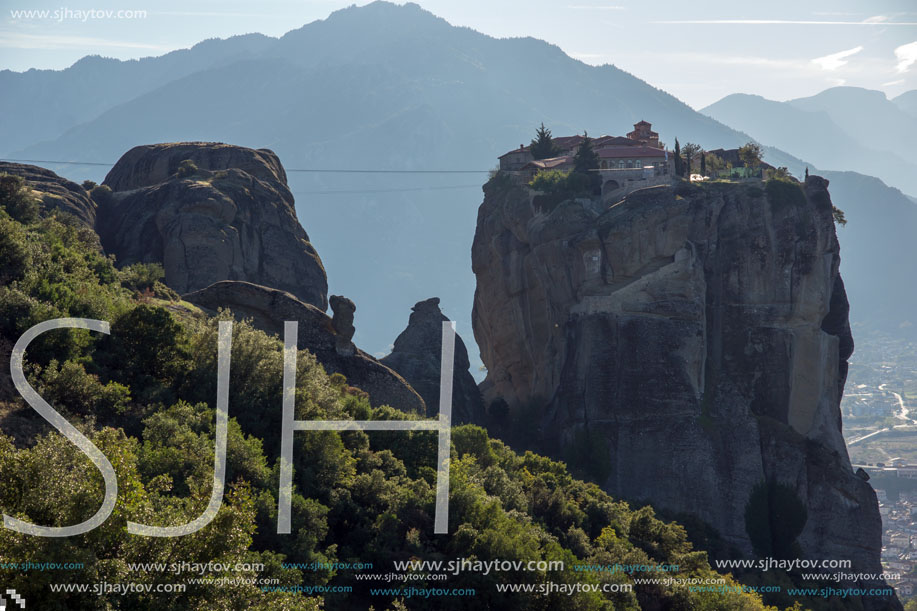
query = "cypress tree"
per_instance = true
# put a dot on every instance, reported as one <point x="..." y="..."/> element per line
<point x="586" y="162"/>
<point x="542" y="146"/>
<point x="678" y="169"/>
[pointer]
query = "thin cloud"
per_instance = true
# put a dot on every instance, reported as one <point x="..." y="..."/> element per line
<point x="907" y="56"/>
<point x="893" y="83"/>
<point x="50" y="41"/>
<point x="590" y="7"/>
<point x="836" y="60"/>
<point x="870" y="21"/>
<point x="206" y="14"/>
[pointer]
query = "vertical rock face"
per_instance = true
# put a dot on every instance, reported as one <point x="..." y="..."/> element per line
<point x="229" y="216"/>
<point x="417" y="355"/>
<point x="698" y="336"/>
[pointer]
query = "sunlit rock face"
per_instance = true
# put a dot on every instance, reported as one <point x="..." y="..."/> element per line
<point x="693" y="339"/>
<point x="231" y="217"/>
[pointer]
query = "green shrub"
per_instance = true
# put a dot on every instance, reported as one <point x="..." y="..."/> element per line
<point x="141" y="276"/>
<point x="16" y="199"/>
<point x="550" y="181"/>
<point x="147" y="351"/>
<point x="187" y="168"/>
<point x="69" y="386"/>
<point x="101" y="194"/>
<point x="14" y="251"/>
<point x="145" y="279"/>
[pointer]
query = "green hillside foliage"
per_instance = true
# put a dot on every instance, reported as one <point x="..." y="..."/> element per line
<point x="145" y="395"/>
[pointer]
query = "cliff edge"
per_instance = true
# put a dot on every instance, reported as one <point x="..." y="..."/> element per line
<point x="687" y="347"/>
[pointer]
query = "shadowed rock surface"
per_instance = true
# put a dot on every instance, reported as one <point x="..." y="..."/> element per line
<point x="692" y="342"/>
<point x="231" y="219"/>
<point x="55" y="192"/>
<point x="269" y="308"/>
<point x="342" y="321"/>
<point x="417" y="355"/>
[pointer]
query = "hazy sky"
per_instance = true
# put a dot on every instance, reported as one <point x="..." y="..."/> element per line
<point x="780" y="49"/>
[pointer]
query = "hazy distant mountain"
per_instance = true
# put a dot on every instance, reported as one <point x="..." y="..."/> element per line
<point x="869" y="116"/>
<point x="39" y="105"/>
<point x="383" y="87"/>
<point x="907" y="102"/>
<point x="375" y="87"/>
<point x="878" y="251"/>
<point x="844" y="128"/>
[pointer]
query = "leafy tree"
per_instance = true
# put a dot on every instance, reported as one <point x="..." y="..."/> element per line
<point x="146" y="350"/>
<point x="542" y="146"/>
<point x="101" y="194"/>
<point x="690" y="151"/>
<point x="16" y="200"/>
<point x="750" y="154"/>
<point x="14" y="251"/>
<point x="839" y="217"/>
<point x="714" y="163"/>
<point x="69" y="386"/>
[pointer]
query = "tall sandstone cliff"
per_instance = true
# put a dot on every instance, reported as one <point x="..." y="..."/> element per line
<point x="693" y="340"/>
<point x="229" y="216"/>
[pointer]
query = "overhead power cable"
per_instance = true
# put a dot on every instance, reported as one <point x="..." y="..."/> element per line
<point x="308" y="170"/>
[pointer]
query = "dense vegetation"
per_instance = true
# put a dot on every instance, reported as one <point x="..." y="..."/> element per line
<point x="144" y="395"/>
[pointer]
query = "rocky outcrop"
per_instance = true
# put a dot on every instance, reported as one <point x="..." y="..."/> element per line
<point x="55" y="192"/>
<point x="269" y="308"/>
<point x="342" y="322"/>
<point x="229" y="216"/>
<point x="417" y="355"/>
<point x="692" y="340"/>
<point x="151" y="164"/>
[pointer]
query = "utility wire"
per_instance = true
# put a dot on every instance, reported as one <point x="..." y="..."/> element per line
<point x="59" y="162"/>
<point x="358" y="191"/>
<point x="310" y="170"/>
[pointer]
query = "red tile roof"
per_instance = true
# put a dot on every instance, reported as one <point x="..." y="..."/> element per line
<point x="630" y="152"/>
<point x="614" y="141"/>
<point x="568" y="142"/>
<point x="519" y="150"/>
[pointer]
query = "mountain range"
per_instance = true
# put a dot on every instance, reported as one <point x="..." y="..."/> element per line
<point x="398" y="91"/>
<point x="842" y="128"/>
